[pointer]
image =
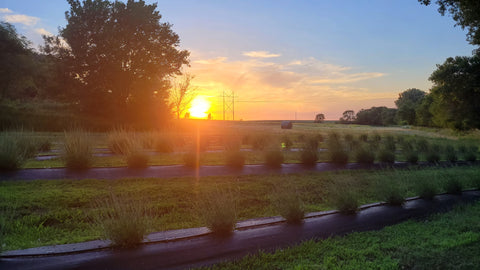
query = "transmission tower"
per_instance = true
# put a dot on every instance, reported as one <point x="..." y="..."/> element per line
<point x="228" y="104"/>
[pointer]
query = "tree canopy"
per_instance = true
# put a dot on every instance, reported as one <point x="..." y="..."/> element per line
<point x="456" y="93"/>
<point x="465" y="12"/>
<point x="376" y="116"/>
<point x="407" y="103"/>
<point x="121" y="56"/>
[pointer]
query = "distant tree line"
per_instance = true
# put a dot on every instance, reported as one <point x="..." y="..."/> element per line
<point x="454" y="99"/>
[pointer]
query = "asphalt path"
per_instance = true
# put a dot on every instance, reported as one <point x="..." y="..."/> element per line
<point x="208" y="249"/>
<point x="181" y="171"/>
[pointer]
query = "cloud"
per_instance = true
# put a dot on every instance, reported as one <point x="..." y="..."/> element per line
<point x="21" y="19"/>
<point x="260" y="54"/>
<point x="43" y="32"/>
<point x="271" y="90"/>
<point x="5" y="10"/>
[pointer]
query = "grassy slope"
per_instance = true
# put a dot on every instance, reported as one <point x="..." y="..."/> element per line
<point x="61" y="211"/>
<point x="444" y="241"/>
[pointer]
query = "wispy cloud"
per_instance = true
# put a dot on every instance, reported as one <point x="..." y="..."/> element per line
<point x="261" y="54"/>
<point x="21" y="19"/>
<point x="43" y="32"/>
<point x="300" y="85"/>
<point x="5" y="10"/>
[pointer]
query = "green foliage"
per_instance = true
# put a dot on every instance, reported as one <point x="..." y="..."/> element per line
<point x="274" y="158"/>
<point x="386" y="156"/>
<point x="364" y="155"/>
<point x="191" y="159"/>
<point x="77" y="150"/>
<point x="289" y="204"/>
<point x="451" y="154"/>
<point x="433" y="156"/>
<point x="376" y="116"/>
<point x="235" y="159"/>
<point x="346" y="202"/>
<point x="453" y="186"/>
<point x="137" y="158"/>
<point x="124" y="223"/>
<point x="218" y="211"/>
<point x="426" y="189"/>
<point x="102" y="37"/>
<point x="411" y="157"/>
<point x="407" y="103"/>
<point x="12" y="154"/>
<point x="390" y="192"/>
<point x="308" y="157"/>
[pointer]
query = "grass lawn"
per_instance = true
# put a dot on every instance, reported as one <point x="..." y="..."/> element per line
<point x="63" y="211"/>
<point x="443" y="241"/>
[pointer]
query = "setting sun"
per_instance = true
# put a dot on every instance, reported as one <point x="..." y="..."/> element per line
<point x="199" y="107"/>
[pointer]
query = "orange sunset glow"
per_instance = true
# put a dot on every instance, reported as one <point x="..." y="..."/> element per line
<point x="199" y="108"/>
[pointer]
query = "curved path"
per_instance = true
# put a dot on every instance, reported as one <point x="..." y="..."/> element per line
<point x="181" y="170"/>
<point x="208" y="249"/>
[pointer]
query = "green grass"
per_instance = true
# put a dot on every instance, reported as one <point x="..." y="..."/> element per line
<point x="443" y="241"/>
<point x="50" y="212"/>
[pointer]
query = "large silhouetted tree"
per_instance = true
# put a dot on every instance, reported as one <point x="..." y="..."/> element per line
<point x="181" y="94"/>
<point x="465" y="12"/>
<point x="376" y="116"/>
<point x="122" y="57"/>
<point x="407" y="103"/>
<point x="456" y="93"/>
<point x="348" y="117"/>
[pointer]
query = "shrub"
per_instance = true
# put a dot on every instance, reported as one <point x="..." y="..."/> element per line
<point x="120" y="141"/>
<point x="451" y="154"/>
<point x="137" y="159"/>
<point x="77" y="151"/>
<point x="273" y="158"/>
<point x="191" y="159"/>
<point x="363" y="137"/>
<point x="363" y="155"/>
<point x="422" y="145"/>
<point x="390" y="143"/>
<point x="124" y="222"/>
<point x="453" y="186"/>
<point x="411" y="157"/>
<point x="12" y="155"/>
<point x="390" y="192"/>
<point x="218" y="212"/>
<point x="377" y="137"/>
<point x="433" y="156"/>
<point x="164" y="143"/>
<point x="346" y="202"/>
<point x="235" y="159"/>
<point x="289" y="204"/>
<point x="259" y="141"/>
<point x="470" y="156"/>
<point x="386" y="156"/>
<point x="338" y="156"/>
<point x="426" y="189"/>
<point x="231" y="142"/>
<point x="308" y="157"/>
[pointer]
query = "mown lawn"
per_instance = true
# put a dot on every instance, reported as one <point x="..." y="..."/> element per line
<point x="443" y="241"/>
<point x="46" y="212"/>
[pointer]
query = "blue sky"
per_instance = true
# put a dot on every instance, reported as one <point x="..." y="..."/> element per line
<point x="282" y="57"/>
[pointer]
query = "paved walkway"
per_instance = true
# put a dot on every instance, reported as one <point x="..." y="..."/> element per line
<point x="181" y="170"/>
<point x="204" y="248"/>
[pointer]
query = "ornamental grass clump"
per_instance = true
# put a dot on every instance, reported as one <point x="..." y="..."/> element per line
<point x="77" y="150"/>
<point x="390" y="192"/>
<point x="12" y="154"/>
<point x="289" y="204"/>
<point x="346" y="202"/>
<point x="164" y="143"/>
<point x="218" y="211"/>
<point x="191" y="159"/>
<point x="364" y="155"/>
<point x="120" y="141"/>
<point x="124" y="222"/>
<point x="386" y="156"/>
<point x="274" y="158"/>
<point x="426" y="189"/>
<point x="137" y="158"/>
<point x="235" y="159"/>
<point x="451" y="154"/>
<point x="453" y="186"/>
<point x="411" y="157"/>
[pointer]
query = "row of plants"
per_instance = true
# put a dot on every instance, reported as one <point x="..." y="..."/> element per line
<point x="77" y="150"/>
<point x="64" y="211"/>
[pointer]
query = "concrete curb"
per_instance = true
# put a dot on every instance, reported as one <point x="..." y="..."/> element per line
<point x="173" y="235"/>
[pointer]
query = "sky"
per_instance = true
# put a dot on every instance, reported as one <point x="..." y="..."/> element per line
<point x="287" y="60"/>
